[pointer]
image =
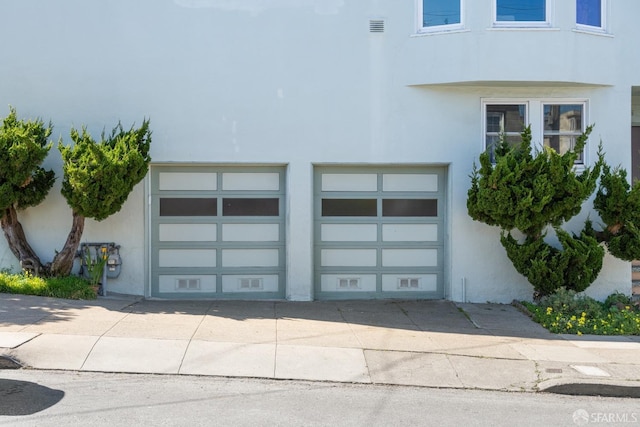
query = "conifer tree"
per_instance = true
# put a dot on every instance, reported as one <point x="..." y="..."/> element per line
<point x="535" y="192"/>
<point x="618" y="205"/>
<point x="98" y="178"/>
<point x="23" y="181"/>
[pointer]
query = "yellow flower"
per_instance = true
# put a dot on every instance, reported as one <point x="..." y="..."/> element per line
<point x="549" y="310"/>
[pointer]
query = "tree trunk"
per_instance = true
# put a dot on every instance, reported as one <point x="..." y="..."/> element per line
<point x="18" y="243"/>
<point x="63" y="261"/>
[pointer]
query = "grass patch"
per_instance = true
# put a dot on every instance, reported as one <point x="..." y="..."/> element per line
<point x="70" y="287"/>
<point x="567" y="312"/>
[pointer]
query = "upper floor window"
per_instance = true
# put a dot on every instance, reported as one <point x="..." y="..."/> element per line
<point x="556" y="124"/>
<point x="522" y="13"/>
<point x="440" y="15"/>
<point x="590" y="14"/>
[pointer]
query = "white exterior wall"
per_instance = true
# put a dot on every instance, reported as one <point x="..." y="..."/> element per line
<point x="303" y="83"/>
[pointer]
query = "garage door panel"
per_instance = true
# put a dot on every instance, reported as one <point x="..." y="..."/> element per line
<point x="250" y="283"/>
<point x="349" y="232"/>
<point x="410" y="232"/>
<point x="251" y="181"/>
<point x="348" y="282"/>
<point x="186" y="258"/>
<point x="187" y="283"/>
<point x="250" y="232"/>
<point x="187" y="181"/>
<point x="250" y="258"/>
<point x="187" y="232"/>
<point x="410" y="283"/>
<point x="409" y="182"/>
<point x="349" y="182"/>
<point x="348" y="257"/>
<point x="410" y="257"/>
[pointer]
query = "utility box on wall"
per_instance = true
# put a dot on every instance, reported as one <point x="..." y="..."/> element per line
<point x="99" y="261"/>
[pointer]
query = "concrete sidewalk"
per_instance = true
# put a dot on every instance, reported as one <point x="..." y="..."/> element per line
<point x="418" y="343"/>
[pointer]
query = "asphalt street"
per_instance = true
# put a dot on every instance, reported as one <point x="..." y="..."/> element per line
<point x="55" y="398"/>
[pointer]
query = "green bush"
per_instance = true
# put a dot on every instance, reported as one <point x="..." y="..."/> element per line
<point x="533" y="191"/>
<point x="618" y="204"/>
<point x="576" y="266"/>
<point x="100" y="175"/>
<point x="69" y="287"/>
<point x="568" y="312"/>
<point x="571" y="301"/>
<point x="617" y="299"/>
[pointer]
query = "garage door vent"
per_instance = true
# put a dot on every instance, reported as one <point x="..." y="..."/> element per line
<point x="408" y="283"/>
<point x="250" y="284"/>
<point x="348" y="283"/>
<point x="188" y="284"/>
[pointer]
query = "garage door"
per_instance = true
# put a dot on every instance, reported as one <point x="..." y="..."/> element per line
<point x="217" y="232"/>
<point x="379" y="233"/>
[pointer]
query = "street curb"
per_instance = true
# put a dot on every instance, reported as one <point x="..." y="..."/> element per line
<point x="522" y="308"/>
<point x="589" y="387"/>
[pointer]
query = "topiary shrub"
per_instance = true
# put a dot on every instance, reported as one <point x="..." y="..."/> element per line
<point x="618" y="205"/>
<point x="23" y="182"/>
<point x="98" y="178"/>
<point x="574" y="267"/>
<point x="532" y="192"/>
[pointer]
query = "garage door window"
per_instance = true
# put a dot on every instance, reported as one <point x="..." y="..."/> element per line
<point x="250" y="207"/>
<point x="410" y="207"/>
<point x="177" y="206"/>
<point x="349" y="207"/>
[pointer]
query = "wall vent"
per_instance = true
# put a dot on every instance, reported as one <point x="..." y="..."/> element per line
<point x="250" y="284"/>
<point x="188" y="284"/>
<point x="345" y="283"/>
<point x="408" y="283"/>
<point x="376" y="26"/>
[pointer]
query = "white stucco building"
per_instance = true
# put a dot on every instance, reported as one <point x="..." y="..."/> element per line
<point x="311" y="149"/>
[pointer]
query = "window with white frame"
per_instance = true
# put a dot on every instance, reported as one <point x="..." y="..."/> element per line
<point x="554" y="124"/>
<point x="522" y="13"/>
<point x="440" y="15"/>
<point x="563" y="124"/>
<point x="591" y="14"/>
<point x="506" y="120"/>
